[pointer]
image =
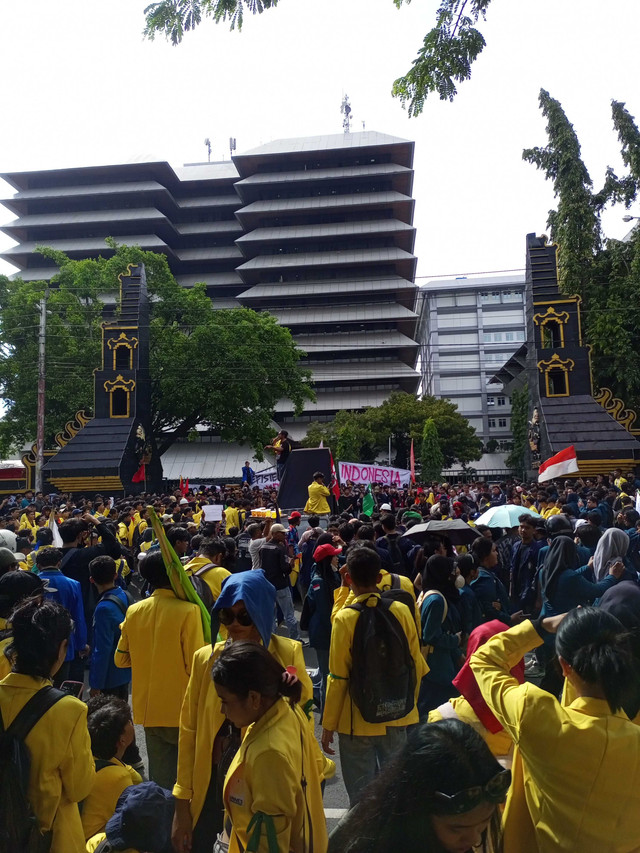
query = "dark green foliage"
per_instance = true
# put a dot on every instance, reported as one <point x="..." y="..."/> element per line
<point x="364" y="436"/>
<point x="605" y="273"/>
<point x="516" y="460"/>
<point x="431" y="458"/>
<point x="223" y="369"/>
<point x="444" y="59"/>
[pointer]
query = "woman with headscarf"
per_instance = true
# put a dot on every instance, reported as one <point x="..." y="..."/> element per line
<point x="441" y="625"/>
<point x="206" y="741"/>
<point x="611" y="549"/>
<point x="470" y="706"/>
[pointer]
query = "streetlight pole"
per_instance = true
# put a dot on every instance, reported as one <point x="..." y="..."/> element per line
<point x="42" y="333"/>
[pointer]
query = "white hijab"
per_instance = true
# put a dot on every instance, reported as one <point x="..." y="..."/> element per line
<point x="613" y="546"/>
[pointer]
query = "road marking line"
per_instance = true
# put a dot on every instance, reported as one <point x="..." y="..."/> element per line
<point x="335" y="814"/>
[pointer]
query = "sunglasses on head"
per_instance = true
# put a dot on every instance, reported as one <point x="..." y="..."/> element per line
<point x="495" y="791"/>
<point x="228" y="617"/>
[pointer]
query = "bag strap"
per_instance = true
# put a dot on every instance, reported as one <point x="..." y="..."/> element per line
<point x="35" y="708"/>
<point x="204" y="570"/>
<point x="395" y="581"/>
<point x="69" y="554"/>
<point x="423" y="595"/>
<point x="116" y="600"/>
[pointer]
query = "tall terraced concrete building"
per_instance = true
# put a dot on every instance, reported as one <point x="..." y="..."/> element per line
<point x="317" y="230"/>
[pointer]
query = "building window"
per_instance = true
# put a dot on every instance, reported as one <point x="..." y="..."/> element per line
<point x="501" y="401"/>
<point x="511" y="296"/>
<point x="491" y="401"/>
<point x="119" y="403"/>
<point x="502" y="422"/>
<point x="492" y="423"/>
<point x="122" y="357"/>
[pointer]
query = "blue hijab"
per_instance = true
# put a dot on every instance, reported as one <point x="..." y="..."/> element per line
<point x="258" y="595"/>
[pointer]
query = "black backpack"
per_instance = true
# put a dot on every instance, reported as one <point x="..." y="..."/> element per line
<point x="202" y="587"/>
<point x="382" y="682"/>
<point x="396" y="557"/>
<point x="243" y="557"/>
<point x="19" y="830"/>
<point x="397" y="593"/>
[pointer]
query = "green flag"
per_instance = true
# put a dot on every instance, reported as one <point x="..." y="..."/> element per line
<point x="180" y="583"/>
<point x="367" y="502"/>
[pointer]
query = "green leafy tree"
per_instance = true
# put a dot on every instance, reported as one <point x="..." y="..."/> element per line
<point x="445" y="58"/>
<point x="605" y="273"/>
<point x="364" y="436"/>
<point x="519" y="429"/>
<point x="431" y="458"/>
<point x="222" y="369"/>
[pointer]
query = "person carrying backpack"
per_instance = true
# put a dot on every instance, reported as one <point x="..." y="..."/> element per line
<point x="46" y="766"/>
<point x="396" y="546"/>
<point x="375" y="671"/>
<point x="113" y="602"/>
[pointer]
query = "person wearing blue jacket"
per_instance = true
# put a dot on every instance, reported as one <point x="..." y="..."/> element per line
<point x="489" y="590"/>
<point x="104" y="675"/>
<point x="316" y="616"/>
<point x="68" y="593"/>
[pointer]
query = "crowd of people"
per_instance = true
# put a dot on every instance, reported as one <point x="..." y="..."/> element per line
<point x="481" y="695"/>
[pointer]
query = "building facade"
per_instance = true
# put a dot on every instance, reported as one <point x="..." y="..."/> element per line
<point x="318" y="231"/>
<point x="468" y="328"/>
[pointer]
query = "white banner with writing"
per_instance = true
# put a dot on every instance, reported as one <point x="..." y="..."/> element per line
<point x="362" y="474"/>
<point x="266" y="478"/>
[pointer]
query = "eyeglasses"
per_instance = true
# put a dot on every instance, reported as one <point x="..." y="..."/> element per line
<point x="495" y="791"/>
<point x="228" y="617"/>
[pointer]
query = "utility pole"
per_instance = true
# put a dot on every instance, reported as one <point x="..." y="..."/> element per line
<point x="41" y="388"/>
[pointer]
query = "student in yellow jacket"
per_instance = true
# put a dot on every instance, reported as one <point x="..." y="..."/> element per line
<point x="246" y="606"/>
<point x="61" y="772"/>
<point x="272" y="790"/>
<point x="364" y="746"/>
<point x="211" y="554"/>
<point x="14" y="587"/>
<point x="344" y="596"/>
<point x="318" y="494"/>
<point x="568" y="760"/>
<point x="111" y="731"/>
<point x="160" y="635"/>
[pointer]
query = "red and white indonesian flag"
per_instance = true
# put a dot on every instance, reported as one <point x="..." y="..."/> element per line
<point x="562" y="463"/>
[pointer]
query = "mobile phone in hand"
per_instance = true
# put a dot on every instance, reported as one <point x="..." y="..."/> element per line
<point x="73" y="688"/>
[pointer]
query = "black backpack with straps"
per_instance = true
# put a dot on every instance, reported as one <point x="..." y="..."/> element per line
<point x="396" y="557"/>
<point x="382" y="680"/>
<point x="19" y="829"/>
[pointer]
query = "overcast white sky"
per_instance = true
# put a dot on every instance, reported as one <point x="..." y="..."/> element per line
<point x="81" y="87"/>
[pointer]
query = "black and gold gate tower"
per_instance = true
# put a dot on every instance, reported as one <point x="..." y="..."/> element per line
<point x="106" y="451"/>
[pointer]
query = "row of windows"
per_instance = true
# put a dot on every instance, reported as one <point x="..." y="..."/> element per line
<point x="501" y="423"/>
<point x="500" y="296"/>
<point x="497" y="357"/>
<point x="501" y="401"/>
<point x="499" y="337"/>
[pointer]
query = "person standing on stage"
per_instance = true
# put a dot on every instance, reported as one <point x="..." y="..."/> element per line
<point x="281" y="446"/>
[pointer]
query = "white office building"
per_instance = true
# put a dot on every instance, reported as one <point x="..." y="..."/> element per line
<point x="468" y="328"/>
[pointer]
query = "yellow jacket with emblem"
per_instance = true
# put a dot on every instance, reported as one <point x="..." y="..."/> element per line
<point x="576" y="769"/>
<point x="266" y="778"/>
<point x="160" y="635"/>
<point x="61" y="762"/>
<point x="201" y="718"/>
<point x="340" y="713"/>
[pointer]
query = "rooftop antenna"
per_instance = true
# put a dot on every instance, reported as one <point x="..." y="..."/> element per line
<point x="345" y="109"/>
<point x="363" y="125"/>
<point x="232" y="145"/>
<point x="207" y="142"/>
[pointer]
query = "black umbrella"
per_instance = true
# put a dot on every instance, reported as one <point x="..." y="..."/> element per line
<point x="457" y="530"/>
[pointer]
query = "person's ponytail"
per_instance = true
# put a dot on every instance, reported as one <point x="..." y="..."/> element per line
<point x="245" y="666"/>
<point x="595" y="644"/>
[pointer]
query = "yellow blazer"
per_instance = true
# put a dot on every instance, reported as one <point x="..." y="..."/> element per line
<point x="343" y="596"/>
<point x="202" y="717"/>
<point x="265" y="776"/>
<point x="576" y="769"/>
<point x="499" y="743"/>
<point x="160" y="635"/>
<point x="338" y="706"/>
<point x="61" y="762"/>
<point x="317" y="503"/>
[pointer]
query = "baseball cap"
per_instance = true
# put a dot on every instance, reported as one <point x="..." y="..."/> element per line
<point x="295" y="514"/>
<point x="278" y="528"/>
<point x="8" y="558"/>
<point x="142" y="819"/>
<point x="183" y="501"/>
<point x="386" y="507"/>
<point x="324" y="551"/>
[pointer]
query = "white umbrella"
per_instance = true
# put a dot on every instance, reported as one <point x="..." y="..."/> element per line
<point x="504" y="516"/>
